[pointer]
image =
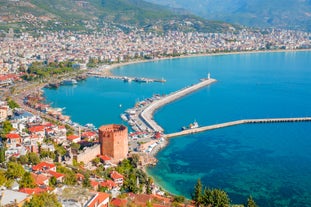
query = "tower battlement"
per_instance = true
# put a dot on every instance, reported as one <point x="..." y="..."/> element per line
<point x="113" y="141"/>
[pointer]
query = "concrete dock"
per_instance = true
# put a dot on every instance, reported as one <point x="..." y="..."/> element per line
<point x="146" y="115"/>
<point x="126" y="79"/>
<point x="238" y="122"/>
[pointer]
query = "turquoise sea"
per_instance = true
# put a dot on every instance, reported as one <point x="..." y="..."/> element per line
<point x="271" y="162"/>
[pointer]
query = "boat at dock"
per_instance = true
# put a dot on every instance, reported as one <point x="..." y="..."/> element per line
<point x="69" y="82"/>
<point x="52" y="85"/>
<point x="192" y="125"/>
<point x="127" y="79"/>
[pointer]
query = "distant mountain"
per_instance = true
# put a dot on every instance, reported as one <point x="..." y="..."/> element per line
<point x="93" y="14"/>
<point x="291" y="14"/>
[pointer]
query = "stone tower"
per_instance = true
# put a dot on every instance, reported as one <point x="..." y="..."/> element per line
<point x="113" y="141"/>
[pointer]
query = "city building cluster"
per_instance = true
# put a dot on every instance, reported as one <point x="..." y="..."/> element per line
<point x="112" y="45"/>
<point x="38" y="128"/>
<point x="32" y="134"/>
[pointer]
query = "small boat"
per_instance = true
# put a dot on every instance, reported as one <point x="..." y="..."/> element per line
<point x="127" y="79"/>
<point x="191" y="126"/>
<point x="194" y="125"/>
<point x="124" y="117"/>
<point x="69" y="82"/>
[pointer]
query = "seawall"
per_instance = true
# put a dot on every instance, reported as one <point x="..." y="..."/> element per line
<point x="147" y="114"/>
<point x="238" y="122"/>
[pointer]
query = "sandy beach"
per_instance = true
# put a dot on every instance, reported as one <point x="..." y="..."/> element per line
<point x="110" y="68"/>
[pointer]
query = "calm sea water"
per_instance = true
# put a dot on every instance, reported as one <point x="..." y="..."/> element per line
<point x="271" y="162"/>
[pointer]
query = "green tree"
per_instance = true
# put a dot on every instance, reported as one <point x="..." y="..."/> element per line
<point x="250" y="202"/>
<point x="23" y="159"/>
<point x="86" y="182"/>
<point x="75" y="146"/>
<point x="33" y="158"/>
<point x="3" y="179"/>
<point x="53" y="181"/>
<point x="27" y="181"/>
<point x="197" y="193"/>
<point x="46" y="153"/>
<point x="102" y="189"/>
<point x="6" y="128"/>
<point x="2" y="154"/>
<point x="43" y="200"/>
<point x="134" y="160"/>
<point x="12" y="104"/>
<point x="96" y="161"/>
<point x="70" y="176"/>
<point x="215" y="198"/>
<point x="14" y="170"/>
<point x="148" y="185"/>
<point x="179" y="199"/>
<point x="60" y="149"/>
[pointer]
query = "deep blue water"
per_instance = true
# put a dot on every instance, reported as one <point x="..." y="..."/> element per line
<point x="271" y="162"/>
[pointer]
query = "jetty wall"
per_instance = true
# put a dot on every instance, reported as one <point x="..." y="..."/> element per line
<point x="147" y="114"/>
<point x="238" y="122"/>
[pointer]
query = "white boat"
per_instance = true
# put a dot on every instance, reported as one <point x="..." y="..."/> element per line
<point x="124" y="117"/>
<point x="69" y="82"/>
<point x="191" y="126"/>
<point x="127" y="79"/>
<point x="194" y="125"/>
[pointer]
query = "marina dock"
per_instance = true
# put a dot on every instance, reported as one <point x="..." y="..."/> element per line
<point x="126" y="79"/>
<point x="146" y="114"/>
<point x="238" y="122"/>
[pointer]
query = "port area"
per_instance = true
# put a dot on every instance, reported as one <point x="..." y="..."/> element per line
<point x="140" y="118"/>
<point x="125" y="78"/>
<point x="148" y="136"/>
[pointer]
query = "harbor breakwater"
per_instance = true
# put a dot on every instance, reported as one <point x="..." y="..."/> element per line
<point x="146" y="114"/>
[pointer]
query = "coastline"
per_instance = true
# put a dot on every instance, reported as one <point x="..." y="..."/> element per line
<point x="158" y="148"/>
<point x="115" y="66"/>
<point x="110" y="68"/>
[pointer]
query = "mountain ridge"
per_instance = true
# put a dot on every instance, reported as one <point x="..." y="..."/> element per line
<point x="287" y="14"/>
<point x="93" y="14"/>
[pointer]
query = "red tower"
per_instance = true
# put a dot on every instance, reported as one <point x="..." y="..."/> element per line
<point x="113" y="141"/>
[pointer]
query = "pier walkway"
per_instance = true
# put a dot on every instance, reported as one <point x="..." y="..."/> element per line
<point x="238" y="122"/>
<point x="125" y="78"/>
<point x="147" y="114"/>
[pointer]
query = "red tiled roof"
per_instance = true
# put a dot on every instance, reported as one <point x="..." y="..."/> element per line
<point x="99" y="198"/>
<point x="79" y="176"/>
<point x="13" y="136"/>
<point x="104" y="157"/>
<point x="94" y="183"/>
<point x="108" y="183"/>
<point x="43" y="166"/>
<point x="72" y="137"/>
<point x="142" y="199"/>
<point x="36" y="129"/>
<point x="115" y="175"/>
<point x="39" y="178"/>
<point x="34" y="190"/>
<point x="56" y="174"/>
<point x="88" y="134"/>
<point x="34" y="136"/>
<point x="117" y="202"/>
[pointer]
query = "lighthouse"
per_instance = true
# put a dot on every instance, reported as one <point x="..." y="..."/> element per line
<point x="208" y="76"/>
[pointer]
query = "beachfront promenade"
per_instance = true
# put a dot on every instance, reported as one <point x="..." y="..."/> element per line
<point x="147" y="114"/>
<point x="238" y="122"/>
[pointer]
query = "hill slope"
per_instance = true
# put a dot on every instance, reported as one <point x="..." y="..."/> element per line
<point x="291" y="14"/>
<point x="93" y="14"/>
